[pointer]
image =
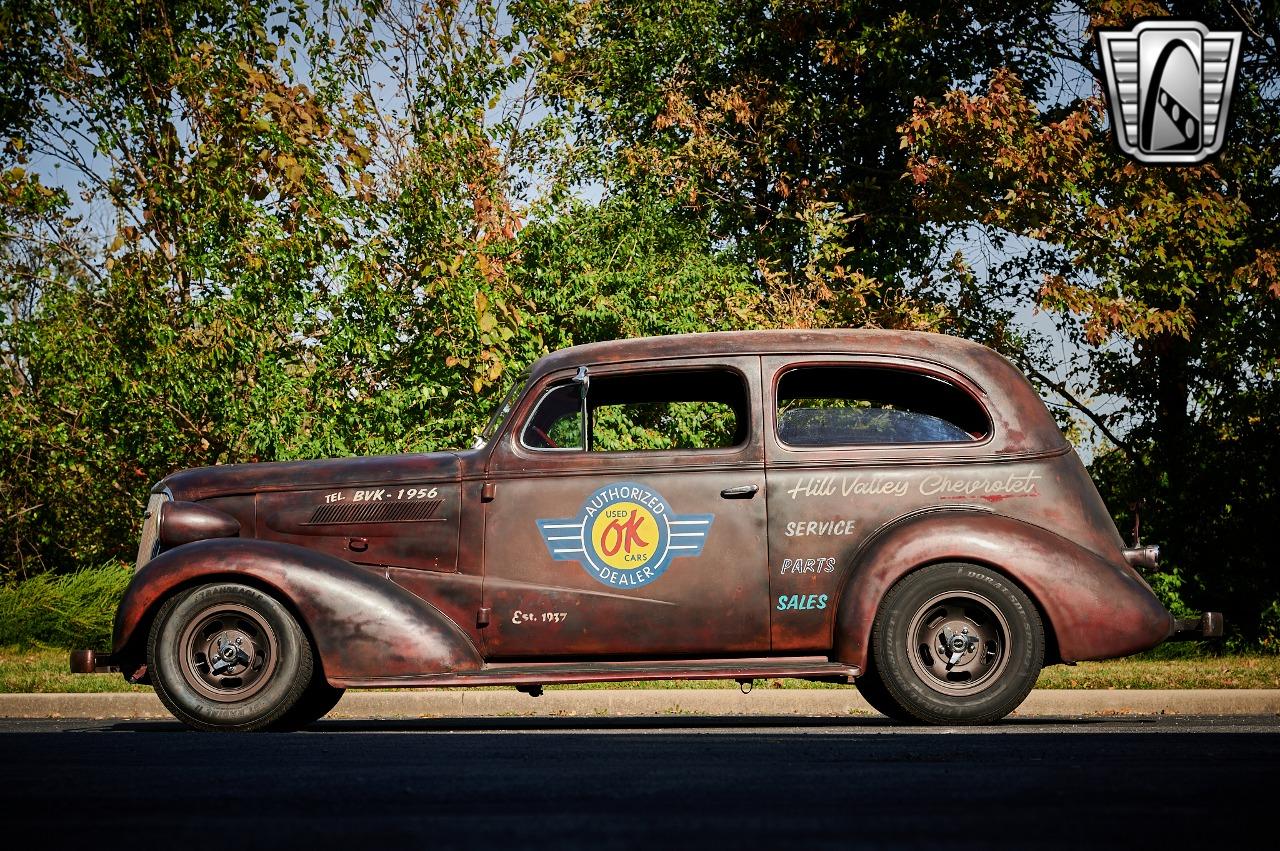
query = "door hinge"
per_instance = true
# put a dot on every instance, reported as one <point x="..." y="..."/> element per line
<point x="488" y="491"/>
<point x="482" y="616"/>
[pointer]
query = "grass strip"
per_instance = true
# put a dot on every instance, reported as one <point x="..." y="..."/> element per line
<point x="45" y="670"/>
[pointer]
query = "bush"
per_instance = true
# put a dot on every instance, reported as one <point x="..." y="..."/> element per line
<point x="71" y="610"/>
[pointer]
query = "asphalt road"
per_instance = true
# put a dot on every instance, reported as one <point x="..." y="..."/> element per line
<point x="662" y="783"/>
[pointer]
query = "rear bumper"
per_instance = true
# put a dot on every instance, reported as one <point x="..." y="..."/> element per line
<point x="1208" y="625"/>
<point x="91" y="662"/>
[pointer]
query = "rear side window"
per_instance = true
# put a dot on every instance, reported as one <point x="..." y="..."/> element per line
<point x="855" y="405"/>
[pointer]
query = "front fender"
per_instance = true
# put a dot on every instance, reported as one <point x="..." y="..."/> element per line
<point x="1095" y="609"/>
<point x="362" y="624"/>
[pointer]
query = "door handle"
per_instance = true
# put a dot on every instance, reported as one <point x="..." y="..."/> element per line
<point x="740" y="492"/>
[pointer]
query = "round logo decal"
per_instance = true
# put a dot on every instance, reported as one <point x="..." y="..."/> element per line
<point x="625" y="535"/>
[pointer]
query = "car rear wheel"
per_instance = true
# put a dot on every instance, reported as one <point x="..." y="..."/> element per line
<point x="956" y="644"/>
<point x="228" y="657"/>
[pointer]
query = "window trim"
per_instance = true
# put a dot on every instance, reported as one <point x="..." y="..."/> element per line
<point x="605" y="371"/>
<point x="918" y="368"/>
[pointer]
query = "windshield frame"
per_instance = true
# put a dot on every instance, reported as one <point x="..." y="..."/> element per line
<point x="501" y="413"/>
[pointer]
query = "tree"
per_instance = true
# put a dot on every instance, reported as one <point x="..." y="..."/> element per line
<point x="316" y="247"/>
<point x="764" y="117"/>
<point x="170" y="339"/>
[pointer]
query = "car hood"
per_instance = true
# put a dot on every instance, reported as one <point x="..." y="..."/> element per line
<point x="229" y="479"/>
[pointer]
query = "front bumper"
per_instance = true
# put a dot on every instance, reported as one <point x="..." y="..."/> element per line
<point x="1208" y="625"/>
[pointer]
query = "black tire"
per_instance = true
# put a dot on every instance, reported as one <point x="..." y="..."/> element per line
<point x="991" y="628"/>
<point x="316" y="702"/>
<point x="228" y="658"/>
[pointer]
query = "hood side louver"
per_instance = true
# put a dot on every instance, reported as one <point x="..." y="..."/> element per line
<point x="376" y="512"/>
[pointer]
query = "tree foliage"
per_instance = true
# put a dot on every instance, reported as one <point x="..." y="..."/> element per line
<point x="754" y="110"/>
<point x="314" y="245"/>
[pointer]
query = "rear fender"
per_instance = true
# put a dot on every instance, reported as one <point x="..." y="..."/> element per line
<point x="362" y="624"/>
<point x="1094" y="609"/>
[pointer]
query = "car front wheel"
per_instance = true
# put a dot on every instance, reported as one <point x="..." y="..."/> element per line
<point x="228" y="657"/>
<point x="957" y="644"/>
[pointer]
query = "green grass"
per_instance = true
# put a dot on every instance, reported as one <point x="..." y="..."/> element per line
<point x="67" y="610"/>
<point x="1237" y="671"/>
<point x="43" y="669"/>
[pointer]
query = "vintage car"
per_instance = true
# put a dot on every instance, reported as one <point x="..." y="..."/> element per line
<point x="896" y="510"/>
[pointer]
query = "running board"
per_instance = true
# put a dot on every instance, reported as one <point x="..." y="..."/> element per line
<point x="553" y="673"/>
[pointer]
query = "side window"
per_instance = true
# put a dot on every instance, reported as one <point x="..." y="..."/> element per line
<point x="651" y="411"/>
<point x="853" y="405"/>
<point x="557" y="421"/>
<point x="687" y="409"/>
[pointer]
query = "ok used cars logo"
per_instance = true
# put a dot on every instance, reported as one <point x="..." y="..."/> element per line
<point x="625" y="535"/>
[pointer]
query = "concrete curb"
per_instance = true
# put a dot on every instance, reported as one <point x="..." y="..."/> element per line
<point x="650" y="702"/>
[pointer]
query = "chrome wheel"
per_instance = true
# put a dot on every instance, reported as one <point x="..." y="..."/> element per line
<point x="229" y="652"/>
<point x="957" y="642"/>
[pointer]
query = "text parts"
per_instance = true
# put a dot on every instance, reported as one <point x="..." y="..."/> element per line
<point x="807" y="565"/>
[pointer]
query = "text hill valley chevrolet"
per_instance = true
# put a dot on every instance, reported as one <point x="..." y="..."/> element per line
<point x="892" y="509"/>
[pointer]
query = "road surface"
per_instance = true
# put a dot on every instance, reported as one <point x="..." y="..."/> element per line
<point x="672" y="782"/>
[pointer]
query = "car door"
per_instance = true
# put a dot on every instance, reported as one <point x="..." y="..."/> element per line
<point x="852" y="444"/>
<point x="633" y="524"/>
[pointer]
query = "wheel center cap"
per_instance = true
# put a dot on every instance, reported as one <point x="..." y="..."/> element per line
<point x="232" y="654"/>
<point x="956" y="643"/>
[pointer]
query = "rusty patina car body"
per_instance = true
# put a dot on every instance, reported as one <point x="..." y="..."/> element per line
<point x="853" y="466"/>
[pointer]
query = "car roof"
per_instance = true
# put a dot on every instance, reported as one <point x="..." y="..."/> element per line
<point x="940" y="347"/>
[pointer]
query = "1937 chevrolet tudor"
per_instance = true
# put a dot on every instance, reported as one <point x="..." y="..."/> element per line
<point x="895" y="509"/>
